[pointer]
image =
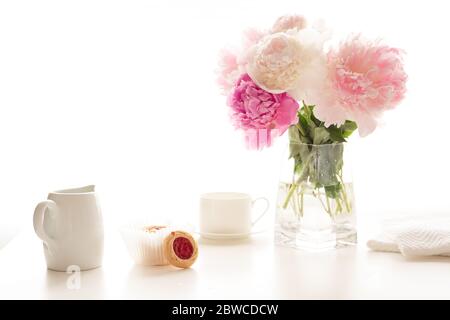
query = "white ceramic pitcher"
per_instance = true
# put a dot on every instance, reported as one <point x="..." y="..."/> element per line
<point x="71" y="226"/>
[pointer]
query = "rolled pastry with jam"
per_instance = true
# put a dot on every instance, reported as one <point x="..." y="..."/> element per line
<point x="180" y="249"/>
<point x="158" y="245"/>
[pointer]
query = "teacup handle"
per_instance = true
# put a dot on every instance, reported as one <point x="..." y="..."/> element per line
<point x="265" y="210"/>
<point x="39" y="218"/>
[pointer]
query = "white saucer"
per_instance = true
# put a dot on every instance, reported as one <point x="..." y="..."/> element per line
<point x="228" y="236"/>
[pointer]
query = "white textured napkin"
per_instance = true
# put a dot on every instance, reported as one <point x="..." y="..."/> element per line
<point x="415" y="236"/>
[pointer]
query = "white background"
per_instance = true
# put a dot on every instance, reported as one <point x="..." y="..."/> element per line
<point x="122" y="94"/>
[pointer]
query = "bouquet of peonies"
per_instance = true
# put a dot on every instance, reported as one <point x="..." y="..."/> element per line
<point x="290" y="78"/>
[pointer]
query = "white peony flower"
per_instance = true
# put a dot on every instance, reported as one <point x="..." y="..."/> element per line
<point x="291" y="61"/>
<point x="275" y="61"/>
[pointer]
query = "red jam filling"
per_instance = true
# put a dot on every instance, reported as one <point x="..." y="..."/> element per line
<point x="183" y="248"/>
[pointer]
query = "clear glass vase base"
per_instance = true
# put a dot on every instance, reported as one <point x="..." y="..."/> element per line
<point x="315" y="241"/>
<point x="346" y="236"/>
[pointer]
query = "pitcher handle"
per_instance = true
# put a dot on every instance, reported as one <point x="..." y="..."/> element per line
<point x="39" y="218"/>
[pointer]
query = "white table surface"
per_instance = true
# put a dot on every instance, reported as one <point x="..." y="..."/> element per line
<point x="249" y="269"/>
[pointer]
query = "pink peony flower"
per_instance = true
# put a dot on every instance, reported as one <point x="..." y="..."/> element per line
<point x="364" y="79"/>
<point x="229" y="70"/>
<point x="262" y="115"/>
<point x="289" y="22"/>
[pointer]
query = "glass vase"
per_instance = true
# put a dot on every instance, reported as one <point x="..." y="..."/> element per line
<point x="315" y="204"/>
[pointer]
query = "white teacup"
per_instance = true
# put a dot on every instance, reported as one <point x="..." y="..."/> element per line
<point x="228" y="213"/>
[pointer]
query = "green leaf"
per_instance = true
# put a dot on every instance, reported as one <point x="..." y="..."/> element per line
<point x="294" y="142"/>
<point x="327" y="163"/>
<point x="333" y="191"/>
<point x="320" y="135"/>
<point x="307" y="116"/>
<point x="348" y="128"/>
<point x="336" y="134"/>
<point x="307" y="110"/>
<point x="294" y="134"/>
<point x="349" y="125"/>
<point x="303" y="122"/>
<point x="316" y="121"/>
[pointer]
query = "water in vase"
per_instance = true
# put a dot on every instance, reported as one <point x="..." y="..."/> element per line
<point x="313" y="219"/>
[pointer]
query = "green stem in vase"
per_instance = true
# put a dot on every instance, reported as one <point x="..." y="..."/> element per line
<point x="292" y="189"/>
<point x="295" y="185"/>
<point x="338" y="206"/>
<point x="325" y="207"/>
<point x="295" y="204"/>
<point x="328" y="204"/>
<point x="344" y="195"/>
<point x="301" y="202"/>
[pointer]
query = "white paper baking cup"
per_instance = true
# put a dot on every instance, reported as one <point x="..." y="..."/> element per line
<point x="146" y="248"/>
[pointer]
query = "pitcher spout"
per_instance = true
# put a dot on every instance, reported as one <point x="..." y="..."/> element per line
<point x="85" y="189"/>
